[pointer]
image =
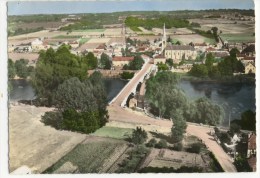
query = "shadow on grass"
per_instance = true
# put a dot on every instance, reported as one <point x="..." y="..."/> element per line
<point x="162" y="136"/>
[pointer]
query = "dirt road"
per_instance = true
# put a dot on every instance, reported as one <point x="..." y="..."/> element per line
<point x="126" y="118"/>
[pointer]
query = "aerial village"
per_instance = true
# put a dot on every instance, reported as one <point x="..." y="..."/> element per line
<point x="184" y="47"/>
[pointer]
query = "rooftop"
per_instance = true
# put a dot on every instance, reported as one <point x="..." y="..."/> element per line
<point x="121" y="58"/>
<point x="179" y="47"/>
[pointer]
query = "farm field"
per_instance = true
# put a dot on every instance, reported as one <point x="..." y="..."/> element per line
<point x="245" y="37"/>
<point x="32" y="57"/>
<point x="226" y="26"/>
<point x="30" y="140"/>
<point x="195" y="38"/>
<point x="113" y="132"/>
<point x="93" y="155"/>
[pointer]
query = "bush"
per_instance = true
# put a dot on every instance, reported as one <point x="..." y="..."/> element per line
<point x="151" y="143"/>
<point x="178" y="146"/>
<point x="161" y="144"/>
<point x="139" y="136"/>
<point x="127" y="75"/>
<point x="195" y="148"/>
<point x="53" y="119"/>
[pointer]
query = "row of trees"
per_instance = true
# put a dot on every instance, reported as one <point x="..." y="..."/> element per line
<point x="19" y="68"/>
<point x="226" y="67"/>
<point x="60" y="80"/>
<point x="134" y="22"/>
<point x="81" y="106"/>
<point x="167" y="100"/>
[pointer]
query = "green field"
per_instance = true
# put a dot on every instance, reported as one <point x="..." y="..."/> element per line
<point x="245" y="37"/>
<point x="65" y="37"/>
<point x="135" y="29"/>
<point x="90" y="30"/>
<point x="88" y="157"/>
<point x="83" y="40"/>
<point x="113" y="132"/>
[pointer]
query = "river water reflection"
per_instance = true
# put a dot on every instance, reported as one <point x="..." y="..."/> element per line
<point x="235" y="98"/>
<point x="22" y="89"/>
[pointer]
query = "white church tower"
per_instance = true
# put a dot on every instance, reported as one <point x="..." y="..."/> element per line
<point x="164" y="39"/>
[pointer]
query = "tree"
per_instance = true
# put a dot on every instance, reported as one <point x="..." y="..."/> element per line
<point x="161" y="144"/>
<point x="75" y="94"/>
<point x="169" y="62"/>
<point x="204" y="111"/>
<point x="248" y="120"/>
<point x="151" y="143"/>
<point x="137" y="63"/>
<point x="162" y="66"/>
<point x="169" y="40"/>
<point x="179" y="126"/>
<point x="105" y="62"/>
<point x="162" y="93"/>
<point x="209" y="60"/>
<point x="91" y="60"/>
<point x="21" y="68"/>
<point x="11" y="69"/>
<point x="53" y="68"/>
<point x="139" y="136"/>
<point x="199" y="70"/>
<point x="242" y="164"/>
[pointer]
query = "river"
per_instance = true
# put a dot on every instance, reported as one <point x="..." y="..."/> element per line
<point x="235" y="98"/>
<point x="22" y="90"/>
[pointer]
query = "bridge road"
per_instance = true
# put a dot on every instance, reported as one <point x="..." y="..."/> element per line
<point x="124" y="117"/>
<point x="127" y="90"/>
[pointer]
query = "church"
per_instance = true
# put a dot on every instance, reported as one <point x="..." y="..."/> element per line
<point x="175" y="52"/>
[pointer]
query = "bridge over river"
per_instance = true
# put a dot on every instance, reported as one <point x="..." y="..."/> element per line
<point x="121" y="116"/>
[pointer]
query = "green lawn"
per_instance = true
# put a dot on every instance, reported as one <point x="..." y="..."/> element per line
<point x="247" y="37"/>
<point x="90" y="30"/>
<point x="65" y="36"/>
<point x="136" y="29"/>
<point x="83" y="40"/>
<point x="88" y="157"/>
<point x="113" y="132"/>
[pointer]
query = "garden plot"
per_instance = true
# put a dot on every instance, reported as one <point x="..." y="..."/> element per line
<point x="176" y="159"/>
<point x="113" y="132"/>
<point x="94" y="155"/>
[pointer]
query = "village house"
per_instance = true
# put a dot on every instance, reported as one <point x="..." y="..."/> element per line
<point x="23" y="48"/>
<point x="249" y="68"/>
<point x="120" y="61"/>
<point x="200" y="46"/>
<point x="37" y="45"/>
<point x="159" y="59"/>
<point x="251" y="150"/>
<point x="74" y="44"/>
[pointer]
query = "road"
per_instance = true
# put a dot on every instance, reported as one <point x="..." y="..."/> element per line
<point x="124" y="117"/>
<point x="126" y="91"/>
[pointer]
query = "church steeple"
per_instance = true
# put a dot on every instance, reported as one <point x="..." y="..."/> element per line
<point x="164" y="38"/>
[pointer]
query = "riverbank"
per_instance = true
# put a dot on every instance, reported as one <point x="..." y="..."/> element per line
<point x="239" y="79"/>
<point x="111" y="73"/>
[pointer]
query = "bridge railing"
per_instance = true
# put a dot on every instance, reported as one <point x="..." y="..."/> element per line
<point x="136" y="74"/>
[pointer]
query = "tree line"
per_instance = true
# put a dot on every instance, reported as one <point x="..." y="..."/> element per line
<point x="168" y="101"/>
<point x="19" y="68"/>
<point x="135" y="22"/>
<point x="60" y="80"/>
<point x="225" y="68"/>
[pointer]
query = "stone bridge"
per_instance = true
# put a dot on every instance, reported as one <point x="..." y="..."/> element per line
<point x="131" y="86"/>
